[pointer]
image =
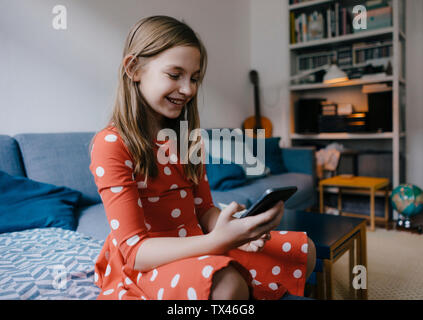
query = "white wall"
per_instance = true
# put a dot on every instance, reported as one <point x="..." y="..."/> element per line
<point x="270" y="57"/>
<point x="414" y="80"/>
<point x="55" y="81"/>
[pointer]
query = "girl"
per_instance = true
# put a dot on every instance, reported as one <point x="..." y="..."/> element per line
<point x="167" y="239"/>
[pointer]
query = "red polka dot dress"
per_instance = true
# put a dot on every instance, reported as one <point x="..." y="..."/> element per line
<point x="170" y="205"/>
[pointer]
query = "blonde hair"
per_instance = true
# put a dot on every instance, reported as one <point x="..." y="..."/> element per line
<point x="147" y="38"/>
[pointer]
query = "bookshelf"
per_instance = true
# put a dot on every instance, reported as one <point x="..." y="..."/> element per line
<point x="382" y="45"/>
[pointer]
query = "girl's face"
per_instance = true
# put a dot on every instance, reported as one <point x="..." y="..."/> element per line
<point x="169" y="80"/>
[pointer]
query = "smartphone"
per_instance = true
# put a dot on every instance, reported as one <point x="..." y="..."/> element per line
<point x="269" y="199"/>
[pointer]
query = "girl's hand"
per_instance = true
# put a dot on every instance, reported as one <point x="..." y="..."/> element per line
<point x="256" y="245"/>
<point x="230" y="232"/>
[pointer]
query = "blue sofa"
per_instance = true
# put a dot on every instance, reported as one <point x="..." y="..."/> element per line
<point x="63" y="159"/>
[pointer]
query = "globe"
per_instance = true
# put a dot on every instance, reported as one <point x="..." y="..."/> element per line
<point x="407" y="199"/>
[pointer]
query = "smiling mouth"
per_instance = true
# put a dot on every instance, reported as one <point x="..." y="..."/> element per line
<point x="178" y="102"/>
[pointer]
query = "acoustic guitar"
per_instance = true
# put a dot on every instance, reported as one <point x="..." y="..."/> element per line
<point x="257" y="121"/>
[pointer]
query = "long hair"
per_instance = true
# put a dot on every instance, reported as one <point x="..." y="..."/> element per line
<point x="148" y="38"/>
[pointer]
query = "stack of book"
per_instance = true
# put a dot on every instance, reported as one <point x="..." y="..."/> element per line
<point x="379" y="15"/>
<point x="363" y="52"/>
<point x="336" y="19"/>
<point x="307" y="27"/>
<point x="329" y="108"/>
<point x="377" y="87"/>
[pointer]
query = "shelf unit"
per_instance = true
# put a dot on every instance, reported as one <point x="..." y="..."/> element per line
<point x="351" y="89"/>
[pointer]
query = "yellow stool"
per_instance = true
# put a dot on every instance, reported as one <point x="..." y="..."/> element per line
<point x="373" y="184"/>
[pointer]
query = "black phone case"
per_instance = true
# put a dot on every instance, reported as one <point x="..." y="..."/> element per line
<point x="269" y="198"/>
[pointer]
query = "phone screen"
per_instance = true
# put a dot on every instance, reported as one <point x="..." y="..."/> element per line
<point x="269" y="199"/>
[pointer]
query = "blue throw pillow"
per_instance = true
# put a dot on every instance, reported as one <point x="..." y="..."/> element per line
<point x="224" y="176"/>
<point x="28" y="204"/>
<point x="273" y="154"/>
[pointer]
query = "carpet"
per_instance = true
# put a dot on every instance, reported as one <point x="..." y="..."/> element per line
<point x="394" y="267"/>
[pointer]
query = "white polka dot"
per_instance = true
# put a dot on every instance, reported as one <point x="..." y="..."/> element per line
<point x="175" y="213"/>
<point x="128" y="281"/>
<point x="139" y="276"/>
<point x="198" y="200"/>
<point x="107" y="255"/>
<point x="175" y="280"/>
<point x="129" y="164"/>
<point x="114" y="242"/>
<point x="167" y="171"/>
<point x="192" y="294"/>
<point x="253" y="273"/>
<point x="133" y="240"/>
<point x="95" y="276"/>
<point x="183" y="193"/>
<point x="206" y="272"/>
<point x="286" y="247"/>
<point x="173" y="158"/>
<point x="144" y="298"/>
<point x="141" y="185"/>
<point x="120" y="284"/>
<point x="160" y="294"/>
<point x="114" y="224"/>
<point x="205" y="177"/>
<point x="110" y="138"/>
<point x="148" y="225"/>
<point x="108" y="270"/>
<point x="153" y="199"/>
<point x="99" y="172"/>
<point x="273" y="286"/>
<point x="304" y="248"/>
<point x="182" y="232"/>
<point x="297" y="273"/>
<point x="155" y="273"/>
<point x="276" y="270"/>
<point x="255" y="282"/>
<point x="116" y="189"/>
<point x="283" y="232"/>
<point x="139" y="203"/>
<point x="173" y="186"/>
<point x="107" y="292"/>
<point x="203" y="257"/>
<point x="121" y="293"/>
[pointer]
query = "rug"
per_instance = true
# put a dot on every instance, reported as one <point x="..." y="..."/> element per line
<point x="394" y="267"/>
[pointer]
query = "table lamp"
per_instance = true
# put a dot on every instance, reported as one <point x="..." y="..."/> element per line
<point x="334" y="75"/>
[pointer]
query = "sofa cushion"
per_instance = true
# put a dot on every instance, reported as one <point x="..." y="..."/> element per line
<point x="224" y="176"/>
<point x="92" y="221"/>
<point x="28" y="204"/>
<point x="61" y="159"/>
<point x="229" y="146"/>
<point x="272" y="157"/>
<point x="226" y="197"/>
<point x="301" y="200"/>
<point x="10" y="157"/>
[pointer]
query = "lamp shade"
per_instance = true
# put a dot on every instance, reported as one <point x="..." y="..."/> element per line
<point x="334" y="75"/>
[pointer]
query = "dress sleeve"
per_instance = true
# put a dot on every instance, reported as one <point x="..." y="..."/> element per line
<point x="112" y="168"/>
<point x="202" y="196"/>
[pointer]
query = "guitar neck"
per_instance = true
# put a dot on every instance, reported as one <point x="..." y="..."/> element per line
<point x="257" y="107"/>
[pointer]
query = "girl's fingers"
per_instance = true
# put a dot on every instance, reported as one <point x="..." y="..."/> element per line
<point x="266" y="217"/>
<point x="231" y="209"/>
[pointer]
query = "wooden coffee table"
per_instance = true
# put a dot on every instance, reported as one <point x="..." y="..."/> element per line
<point x="355" y="182"/>
<point x="332" y="236"/>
